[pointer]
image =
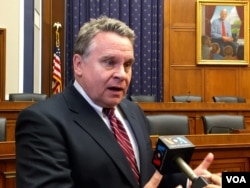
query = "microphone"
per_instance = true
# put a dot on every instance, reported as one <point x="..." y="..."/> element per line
<point x="187" y="98"/>
<point x="172" y="154"/>
<point x="214" y="128"/>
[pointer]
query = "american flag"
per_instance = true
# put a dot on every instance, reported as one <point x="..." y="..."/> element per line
<point x="57" y="79"/>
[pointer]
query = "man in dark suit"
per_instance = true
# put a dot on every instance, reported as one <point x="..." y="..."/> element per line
<point x="67" y="141"/>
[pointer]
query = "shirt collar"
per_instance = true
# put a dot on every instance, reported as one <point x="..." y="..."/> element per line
<point x="97" y="108"/>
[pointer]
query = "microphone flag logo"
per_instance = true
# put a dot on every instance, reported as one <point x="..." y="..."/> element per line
<point x="167" y="149"/>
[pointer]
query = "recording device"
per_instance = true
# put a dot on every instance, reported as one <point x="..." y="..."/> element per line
<point x="172" y="154"/>
<point x="221" y="129"/>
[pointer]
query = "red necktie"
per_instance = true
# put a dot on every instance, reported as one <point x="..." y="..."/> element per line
<point x="123" y="139"/>
<point x="223" y="30"/>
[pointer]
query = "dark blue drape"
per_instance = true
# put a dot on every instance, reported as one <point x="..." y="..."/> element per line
<point x="28" y="48"/>
<point x="145" y="17"/>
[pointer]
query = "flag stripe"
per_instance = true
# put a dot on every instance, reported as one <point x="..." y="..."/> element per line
<point x="57" y="79"/>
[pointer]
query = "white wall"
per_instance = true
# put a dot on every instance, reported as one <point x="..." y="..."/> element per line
<point x="11" y="18"/>
<point x="37" y="47"/>
<point x="10" y="15"/>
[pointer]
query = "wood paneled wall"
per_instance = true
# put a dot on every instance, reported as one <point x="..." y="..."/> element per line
<point x="53" y="11"/>
<point x="181" y="73"/>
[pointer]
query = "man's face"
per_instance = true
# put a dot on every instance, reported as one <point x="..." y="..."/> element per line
<point x="106" y="72"/>
<point x="223" y="14"/>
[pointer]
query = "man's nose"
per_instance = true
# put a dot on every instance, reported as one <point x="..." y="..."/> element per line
<point x="120" y="72"/>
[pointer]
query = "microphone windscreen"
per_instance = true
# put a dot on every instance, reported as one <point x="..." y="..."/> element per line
<point x="168" y="148"/>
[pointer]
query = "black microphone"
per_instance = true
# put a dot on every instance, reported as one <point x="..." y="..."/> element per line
<point x="214" y="128"/>
<point x="187" y="98"/>
<point x="172" y="154"/>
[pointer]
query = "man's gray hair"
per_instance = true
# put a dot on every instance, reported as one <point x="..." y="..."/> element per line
<point x="102" y="24"/>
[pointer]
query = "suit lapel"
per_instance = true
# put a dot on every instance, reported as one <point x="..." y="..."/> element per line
<point x="87" y="118"/>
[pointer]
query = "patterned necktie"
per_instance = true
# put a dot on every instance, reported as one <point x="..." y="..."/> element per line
<point x="123" y="139"/>
<point x="223" y="30"/>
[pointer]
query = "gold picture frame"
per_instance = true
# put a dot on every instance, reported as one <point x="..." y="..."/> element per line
<point x="213" y="47"/>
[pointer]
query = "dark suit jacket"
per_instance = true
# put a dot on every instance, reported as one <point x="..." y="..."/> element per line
<point x="63" y="143"/>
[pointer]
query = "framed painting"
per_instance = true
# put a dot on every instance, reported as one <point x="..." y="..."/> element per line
<point x="222" y="32"/>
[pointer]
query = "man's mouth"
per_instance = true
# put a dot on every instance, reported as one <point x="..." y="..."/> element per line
<point x="115" y="88"/>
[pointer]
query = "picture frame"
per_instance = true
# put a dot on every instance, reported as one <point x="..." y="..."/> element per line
<point x="216" y="44"/>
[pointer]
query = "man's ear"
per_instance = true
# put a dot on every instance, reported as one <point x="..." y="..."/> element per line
<point x="77" y="64"/>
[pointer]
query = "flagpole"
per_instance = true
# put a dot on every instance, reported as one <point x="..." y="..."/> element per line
<point x="56" y="73"/>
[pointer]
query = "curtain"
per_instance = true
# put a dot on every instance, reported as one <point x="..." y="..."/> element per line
<point x="240" y="11"/>
<point x="145" y="17"/>
<point x="209" y="12"/>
